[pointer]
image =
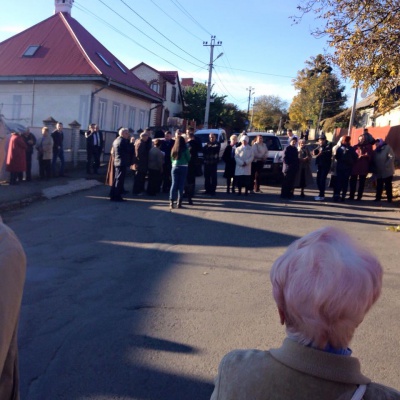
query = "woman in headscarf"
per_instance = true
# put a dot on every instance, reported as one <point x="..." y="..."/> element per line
<point x="383" y="159"/>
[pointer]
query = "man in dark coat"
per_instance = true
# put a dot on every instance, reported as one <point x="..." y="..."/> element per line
<point x="323" y="161"/>
<point x="30" y="140"/>
<point x="346" y="156"/>
<point x="141" y="161"/>
<point x="122" y="158"/>
<point x="290" y="168"/>
<point x="94" y="148"/>
<point x="194" y="147"/>
<point x="58" y="149"/>
<point x="211" y="158"/>
<point x="166" y="147"/>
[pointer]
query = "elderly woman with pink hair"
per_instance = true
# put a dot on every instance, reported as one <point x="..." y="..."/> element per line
<point x="323" y="285"/>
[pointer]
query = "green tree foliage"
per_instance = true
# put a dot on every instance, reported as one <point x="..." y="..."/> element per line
<point x="316" y="83"/>
<point x="232" y="119"/>
<point x="268" y="111"/>
<point x="221" y="114"/>
<point x="195" y="99"/>
<point x="365" y="37"/>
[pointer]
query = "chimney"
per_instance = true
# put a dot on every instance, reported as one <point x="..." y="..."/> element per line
<point x="63" y="6"/>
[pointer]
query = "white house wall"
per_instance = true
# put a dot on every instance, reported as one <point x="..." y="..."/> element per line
<point x="126" y="103"/>
<point x="30" y="103"/>
<point x="391" y="118"/>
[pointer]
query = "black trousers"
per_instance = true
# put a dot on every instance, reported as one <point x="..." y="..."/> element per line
<point x="28" y="174"/>
<point x="139" y="181"/>
<point x="322" y="174"/>
<point x="388" y="187"/>
<point x="210" y="178"/>
<point x="289" y="178"/>
<point x="154" y="182"/>
<point x="353" y="185"/>
<point x="118" y="185"/>
<point x="93" y="155"/>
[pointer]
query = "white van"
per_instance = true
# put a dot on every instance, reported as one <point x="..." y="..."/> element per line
<point x="203" y="136"/>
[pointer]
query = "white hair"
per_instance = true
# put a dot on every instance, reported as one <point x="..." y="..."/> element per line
<point x="325" y="284"/>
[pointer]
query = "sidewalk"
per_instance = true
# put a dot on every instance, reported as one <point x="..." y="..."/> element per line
<point x="24" y="193"/>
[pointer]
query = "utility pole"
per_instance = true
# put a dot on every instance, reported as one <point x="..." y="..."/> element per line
<point x="210" y="67"/>
<point x="353" y="112"/>
<point x="319" y="119"/>
<point x="250" y="89"/>
<point x="252" y="115"/>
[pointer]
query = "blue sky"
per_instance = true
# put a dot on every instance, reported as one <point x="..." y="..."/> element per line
<point x="262" y="48"/>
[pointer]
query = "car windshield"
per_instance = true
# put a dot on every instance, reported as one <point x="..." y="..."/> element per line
<point x="272" y="142"/>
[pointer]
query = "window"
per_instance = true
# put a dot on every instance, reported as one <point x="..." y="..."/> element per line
<point x="120" y="67"/>
<point x="155" y="86"/>
<point x="173" y="94"/>
<point x="16" y="107"/>
<point x="142" y="122"/>
<point x="31" y="50"/>
<point x="103" y="58"/>
<point x="102" y="113"/>
<point x="84" y="110"/>
<point x="115" y="116"/>
<point x="132" y="118"/>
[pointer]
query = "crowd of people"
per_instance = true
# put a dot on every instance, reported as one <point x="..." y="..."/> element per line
<point x="172" y="165"/>
<point x="50" y="148"/>
<point x="167" y="168"/>
<point x="348" y="165"/>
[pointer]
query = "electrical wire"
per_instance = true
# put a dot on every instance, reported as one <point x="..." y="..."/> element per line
<point x="177" y="22"/>
<point x="169" y="40"/>
<point x="80" y="7"/>
<point x="149" y="37"/>
<point x="184" y="11"/>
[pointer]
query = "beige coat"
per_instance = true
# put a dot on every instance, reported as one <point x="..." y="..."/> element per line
<point x="12" y="278"/>
<point x="292" y="372"/>
<point x="44" y="147"/>
<point x="260" y="152"/>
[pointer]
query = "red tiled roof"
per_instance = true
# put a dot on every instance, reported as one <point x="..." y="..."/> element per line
<point x="66" y="49"/>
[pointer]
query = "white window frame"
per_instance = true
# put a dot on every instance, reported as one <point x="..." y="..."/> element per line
<point x="102" y="115"/>
<point x="132" y="117"/>
<point x="16" y="107"/>
<point x="116" y="110"/>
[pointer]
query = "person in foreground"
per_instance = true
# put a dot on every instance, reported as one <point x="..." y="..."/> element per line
<point x="323" y="285"/>
<point x="12" y="279"/>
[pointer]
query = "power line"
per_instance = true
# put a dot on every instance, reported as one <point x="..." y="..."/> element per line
<point x="80" y="7"/>
<point x="261" y="73"/>
<point x="177" y="22"/>
<point x="126" y="20"/>
<point x="184" y="11"/>
<point x="169" y="40"/>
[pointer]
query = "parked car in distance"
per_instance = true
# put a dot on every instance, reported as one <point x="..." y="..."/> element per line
<point x="204" y="136"/>
<point x="273" y="165"/>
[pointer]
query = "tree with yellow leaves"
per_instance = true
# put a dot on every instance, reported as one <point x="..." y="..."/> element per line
<point x="365" y="37"/>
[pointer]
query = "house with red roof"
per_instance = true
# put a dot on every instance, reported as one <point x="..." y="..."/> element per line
<point x="168" y="86"/>
<point x="57" y="69"/>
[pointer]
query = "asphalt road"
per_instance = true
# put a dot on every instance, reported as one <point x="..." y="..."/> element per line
<point x="131" y="301"/>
